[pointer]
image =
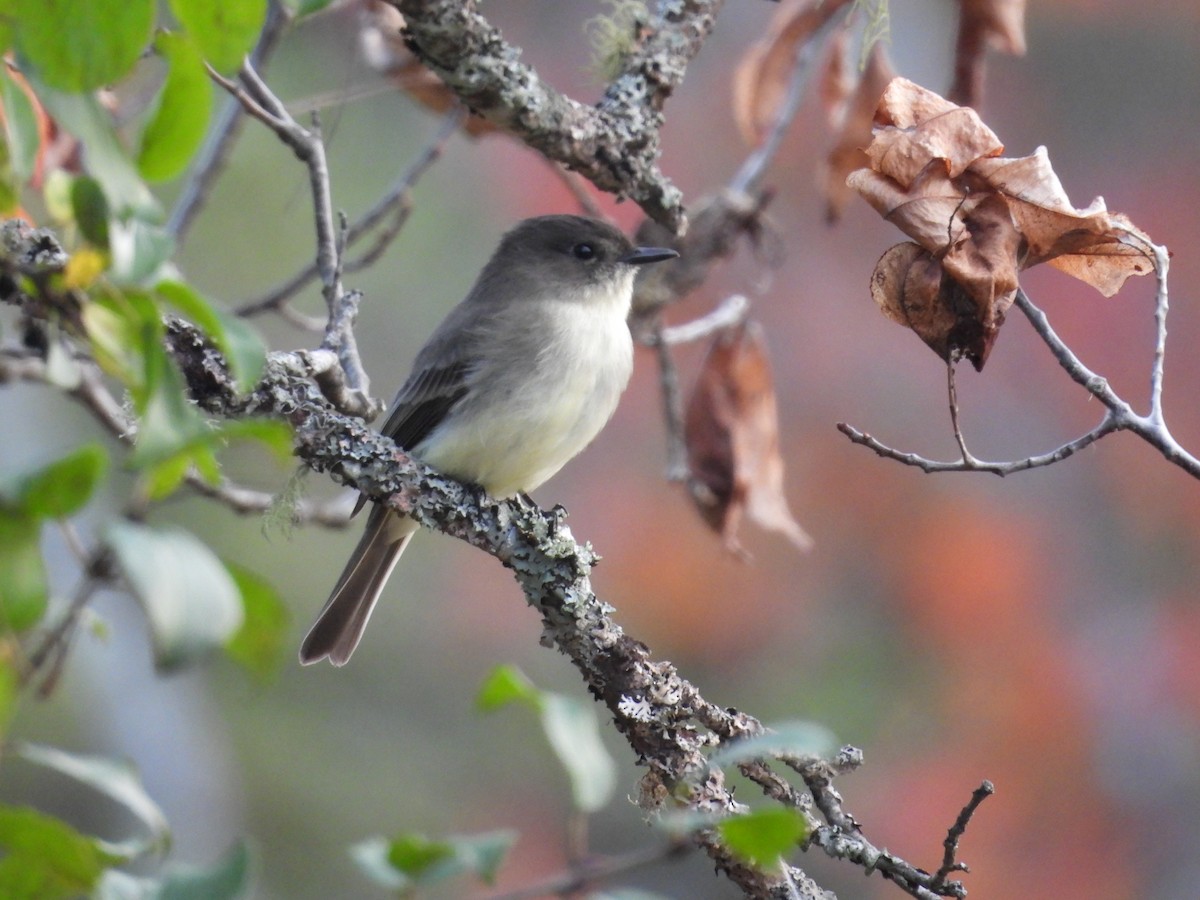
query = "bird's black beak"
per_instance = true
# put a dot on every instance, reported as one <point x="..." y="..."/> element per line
<point x="642" y="255"/>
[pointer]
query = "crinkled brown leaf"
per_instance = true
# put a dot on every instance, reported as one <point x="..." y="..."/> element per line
<point x="1090" y="244"/>
<point x="916" y="126"/>
<point x="984" y="25"/>
<point x="761" y="80"/>
<point x="934" y="172"/>
<point x="854" y="133"/>
<point x="732" y="435"/>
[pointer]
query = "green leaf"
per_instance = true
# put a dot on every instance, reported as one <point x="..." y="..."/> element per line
<point x="413" y="860"/>
<point x="784" y="739"/>
<point x="168" y="422"/>
<point x="139" y="249"/>
<point x="764" y="837"/>
<point x="20" y="127"/>
<point x="81" y="45"/>
<point x="224" y="31"/>
<point x="571" y="728"/>
<point x="414" y="855"/>
<point x="61" y="488"/>
<point x="505" y="685"/>
<point x="234" y="337"/>
<point x="118" y="338"/>
<point x="104" y="157"/>
<point x="116" y="780"/>
<point x="23" y="588"/>
<point x="259" y="644"/>
<point x="89" y="208"/>
<point x="190" y="598"/>
<point x="46" y="858"/>
<point x="574" y="735"/>
<point x="228" y="879"/>
<point x="177" y="128"/>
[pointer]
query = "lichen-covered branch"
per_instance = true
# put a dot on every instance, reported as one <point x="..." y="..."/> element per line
<point x="615" y="144"/>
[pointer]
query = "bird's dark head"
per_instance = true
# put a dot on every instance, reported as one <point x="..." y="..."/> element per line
<point x="567" y="256"/>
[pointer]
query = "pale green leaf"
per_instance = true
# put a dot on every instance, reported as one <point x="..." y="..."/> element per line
<point x="104" y="157"/>
<point x="81" y="45"/>
<point x="177" y="128"/>
<point x="413" y="860"/>
<point x="190" y="599"/>
<point x="116" y="780"/>
<point x="61" y="488"/>
<point x="764" y="837"/>
<point x="224" y="31"/>
<point x="23" y="587"/>
<point x="259" y="644"/>
<point x="505" y="685"/>
<point x="20" y="127"/>
<point x="45" y="858"/>
<point x="227" y="879"/>
<point x="574" y="733"/>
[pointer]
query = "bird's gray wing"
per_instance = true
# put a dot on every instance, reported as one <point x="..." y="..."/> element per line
<point x="424" y="401"/>
<point x="440" y="378"/>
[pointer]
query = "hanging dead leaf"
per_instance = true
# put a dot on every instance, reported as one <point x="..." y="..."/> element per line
<point x="984" y="25"/>
<point x="854" y="133"/>
<point x="732" y="435"/>
<point x="838" y="78"/>
<point x="761" y="79"/>
<point x="935" y="172"/>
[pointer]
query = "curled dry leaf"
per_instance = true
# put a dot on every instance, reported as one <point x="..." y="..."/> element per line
<point x="732" y="435"/>
<point x="760" y="82"/>
<point x="383" y="49"/>
<point x="935" y="171"/>
<point x="854" y="131"/>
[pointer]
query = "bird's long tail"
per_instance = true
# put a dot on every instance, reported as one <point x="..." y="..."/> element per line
<point x="340" y="625"/>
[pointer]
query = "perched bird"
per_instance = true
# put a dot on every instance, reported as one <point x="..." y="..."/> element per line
<point x="518" y="378"/>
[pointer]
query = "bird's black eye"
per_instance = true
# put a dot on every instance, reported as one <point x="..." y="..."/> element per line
<point x="584" y="251"/>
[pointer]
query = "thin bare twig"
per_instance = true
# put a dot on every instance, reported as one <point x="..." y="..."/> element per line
<point x="950" y="863"/>
<point x="396" y="202"/>
<point x="672" y="394"/>
<point x="731" y="311"/>
<point x="1119" y="414"/>
<point x="261" y="103"/>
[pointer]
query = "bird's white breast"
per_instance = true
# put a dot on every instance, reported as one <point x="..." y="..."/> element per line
<point x="574" y="380"/>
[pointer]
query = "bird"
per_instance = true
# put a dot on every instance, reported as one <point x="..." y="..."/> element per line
<point x="516" y="380"/>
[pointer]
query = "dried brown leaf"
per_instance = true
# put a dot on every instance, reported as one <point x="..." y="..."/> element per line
<point x="934" y="171"/>
<point x="1000" y="23"/>
<point x="984" y="24"/>
<point x="925" y="127"/>
<point x="760" y="81"/>
<point x="732" y="435"/>
<point x="1090" y="244"/>
<point x="837" y="80"/>
<point x="854" y="133"/>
